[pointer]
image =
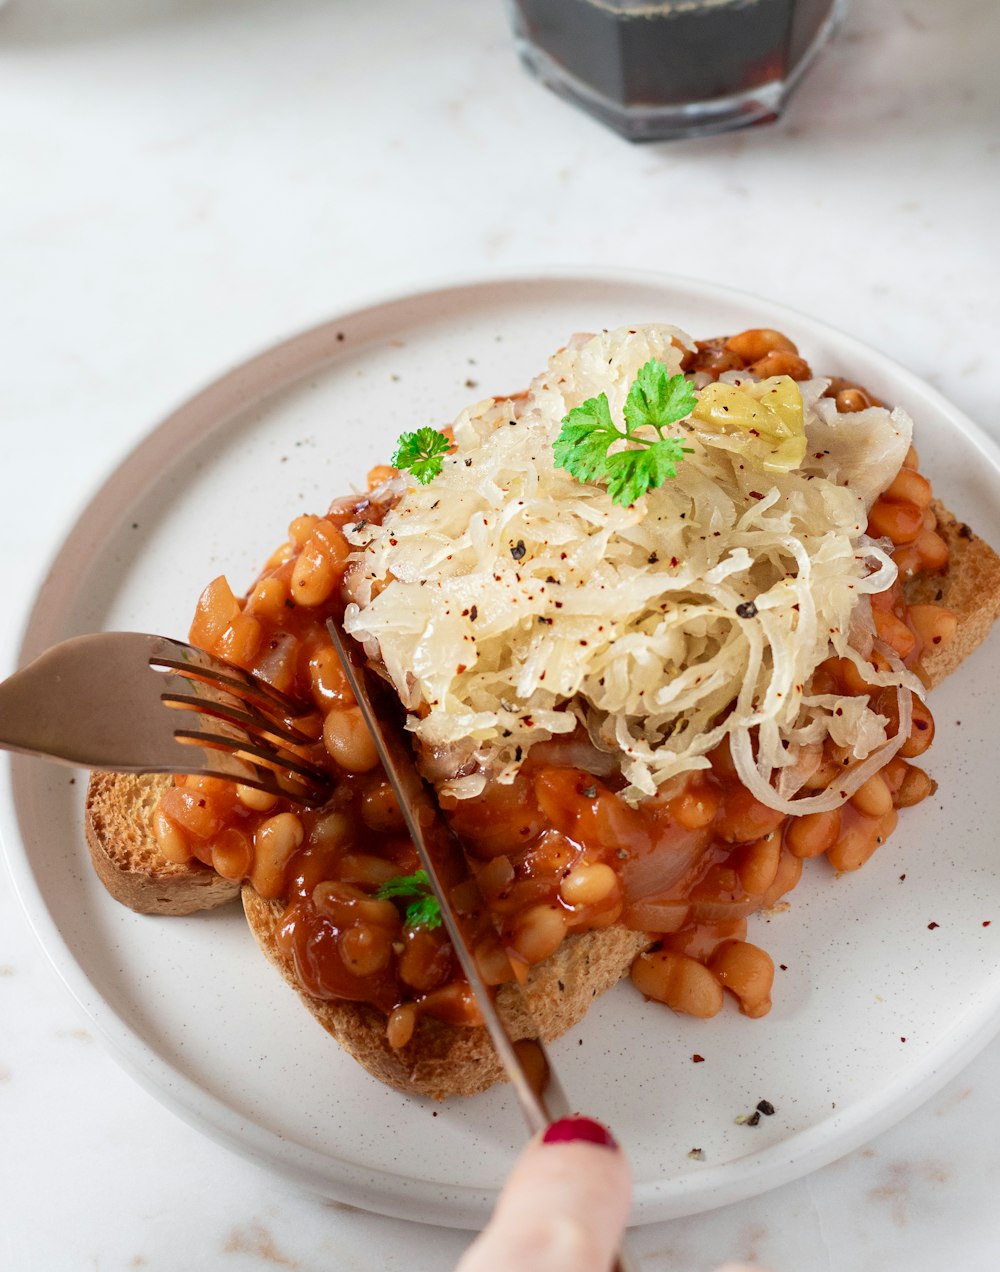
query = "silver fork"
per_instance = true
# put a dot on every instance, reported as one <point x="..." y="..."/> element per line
<point x="133" y="703"/>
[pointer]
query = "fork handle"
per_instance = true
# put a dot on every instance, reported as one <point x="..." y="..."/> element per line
<point x="58" y="707"/>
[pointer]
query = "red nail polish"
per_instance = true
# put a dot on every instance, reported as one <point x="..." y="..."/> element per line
<point x="568" y="1129"/>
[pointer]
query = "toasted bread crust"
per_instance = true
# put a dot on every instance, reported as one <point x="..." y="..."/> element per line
<point x="127" y="858"/>
<point x="970" y="588"/>
<point x="443" y="1060"/>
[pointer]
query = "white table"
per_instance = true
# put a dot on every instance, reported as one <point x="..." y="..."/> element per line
<point x="183" y="183"/>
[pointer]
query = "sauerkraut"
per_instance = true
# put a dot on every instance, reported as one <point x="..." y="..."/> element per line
<point x="511" y="603"/>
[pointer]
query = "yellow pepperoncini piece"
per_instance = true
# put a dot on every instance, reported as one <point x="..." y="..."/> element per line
<point x="764" y="419"/>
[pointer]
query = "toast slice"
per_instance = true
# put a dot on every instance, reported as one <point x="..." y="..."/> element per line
<point x="443" y="1060"/>
<point x="127" y="858"/>
<point x="970" y="588"/>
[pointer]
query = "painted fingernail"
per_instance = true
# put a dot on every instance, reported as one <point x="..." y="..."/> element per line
<point x="568" y="1129"/>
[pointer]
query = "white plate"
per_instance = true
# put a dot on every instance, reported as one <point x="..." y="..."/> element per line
<point x="876" y="1010"/>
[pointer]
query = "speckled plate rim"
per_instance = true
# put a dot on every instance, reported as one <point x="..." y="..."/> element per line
<point x="354" y="1182"/>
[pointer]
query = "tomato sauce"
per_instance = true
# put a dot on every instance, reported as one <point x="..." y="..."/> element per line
<point x="556" y="852"/>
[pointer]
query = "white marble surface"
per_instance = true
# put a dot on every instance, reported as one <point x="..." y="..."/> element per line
<point x="182" y="182"/>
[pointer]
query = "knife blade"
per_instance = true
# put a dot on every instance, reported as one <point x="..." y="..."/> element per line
<point x="525" y="1061"/>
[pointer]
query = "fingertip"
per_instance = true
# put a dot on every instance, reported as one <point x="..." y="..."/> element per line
<point x="564" y="1207"/>
<point x="577" y="1127"/>
<point x="740" y="1267"/>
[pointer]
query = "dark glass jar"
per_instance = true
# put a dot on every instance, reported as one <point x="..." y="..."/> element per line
<point x="677" y="68"/>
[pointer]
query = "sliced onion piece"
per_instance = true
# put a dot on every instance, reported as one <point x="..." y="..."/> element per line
<point x="850" y="780"/>
<point x="659" y="917"/>
<point x="724" y="911"/>
<point x="652" y="874"/>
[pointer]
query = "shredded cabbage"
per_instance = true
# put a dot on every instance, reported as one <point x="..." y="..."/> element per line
<point x="510" y="603"/>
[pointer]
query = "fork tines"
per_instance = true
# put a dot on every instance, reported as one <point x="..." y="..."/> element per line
<point x="241" y="719"/>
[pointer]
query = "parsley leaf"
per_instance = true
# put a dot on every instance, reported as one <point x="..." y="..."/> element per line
<point x="655" y="400"/>
<point x="404" y="886"/>
<point x="421" y="452"/>
<point x="424" y="913"/>
<point x="587" y="432"/>
<point x="424" y="909"/>
<point x="631" y="473"/>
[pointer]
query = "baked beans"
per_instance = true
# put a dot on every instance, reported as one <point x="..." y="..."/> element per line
<point x="679" y="982"/>
<point x="555" y="852"/>
<point x="747" y="972"/>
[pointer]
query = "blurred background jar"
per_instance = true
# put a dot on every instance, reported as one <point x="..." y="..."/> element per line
<point x="679" y="68"/>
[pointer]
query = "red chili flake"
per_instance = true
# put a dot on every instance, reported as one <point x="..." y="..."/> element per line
<point x="902" y="877"/>
<point x="986" y="922"/>
<point x="696" y="1059"/>
<point x="932" y="926"/>
<point x="901" y="1038"/>
<point x="783" y="966"/>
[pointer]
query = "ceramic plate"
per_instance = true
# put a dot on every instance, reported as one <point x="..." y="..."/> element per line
<point x="889" y="979"/>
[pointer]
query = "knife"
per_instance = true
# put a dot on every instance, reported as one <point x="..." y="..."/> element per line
<point x="525" y="1062"/>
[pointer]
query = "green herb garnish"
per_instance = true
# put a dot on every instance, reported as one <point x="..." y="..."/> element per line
<point x="421" y="453"/>
<point x="654" y="401"/>
<point x="424" y="909"/>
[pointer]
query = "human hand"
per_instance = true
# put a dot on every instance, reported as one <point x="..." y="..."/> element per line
<point x="564" y="1206"/>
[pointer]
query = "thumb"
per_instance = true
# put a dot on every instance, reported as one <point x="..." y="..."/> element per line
<point x="564" y="1207"/>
